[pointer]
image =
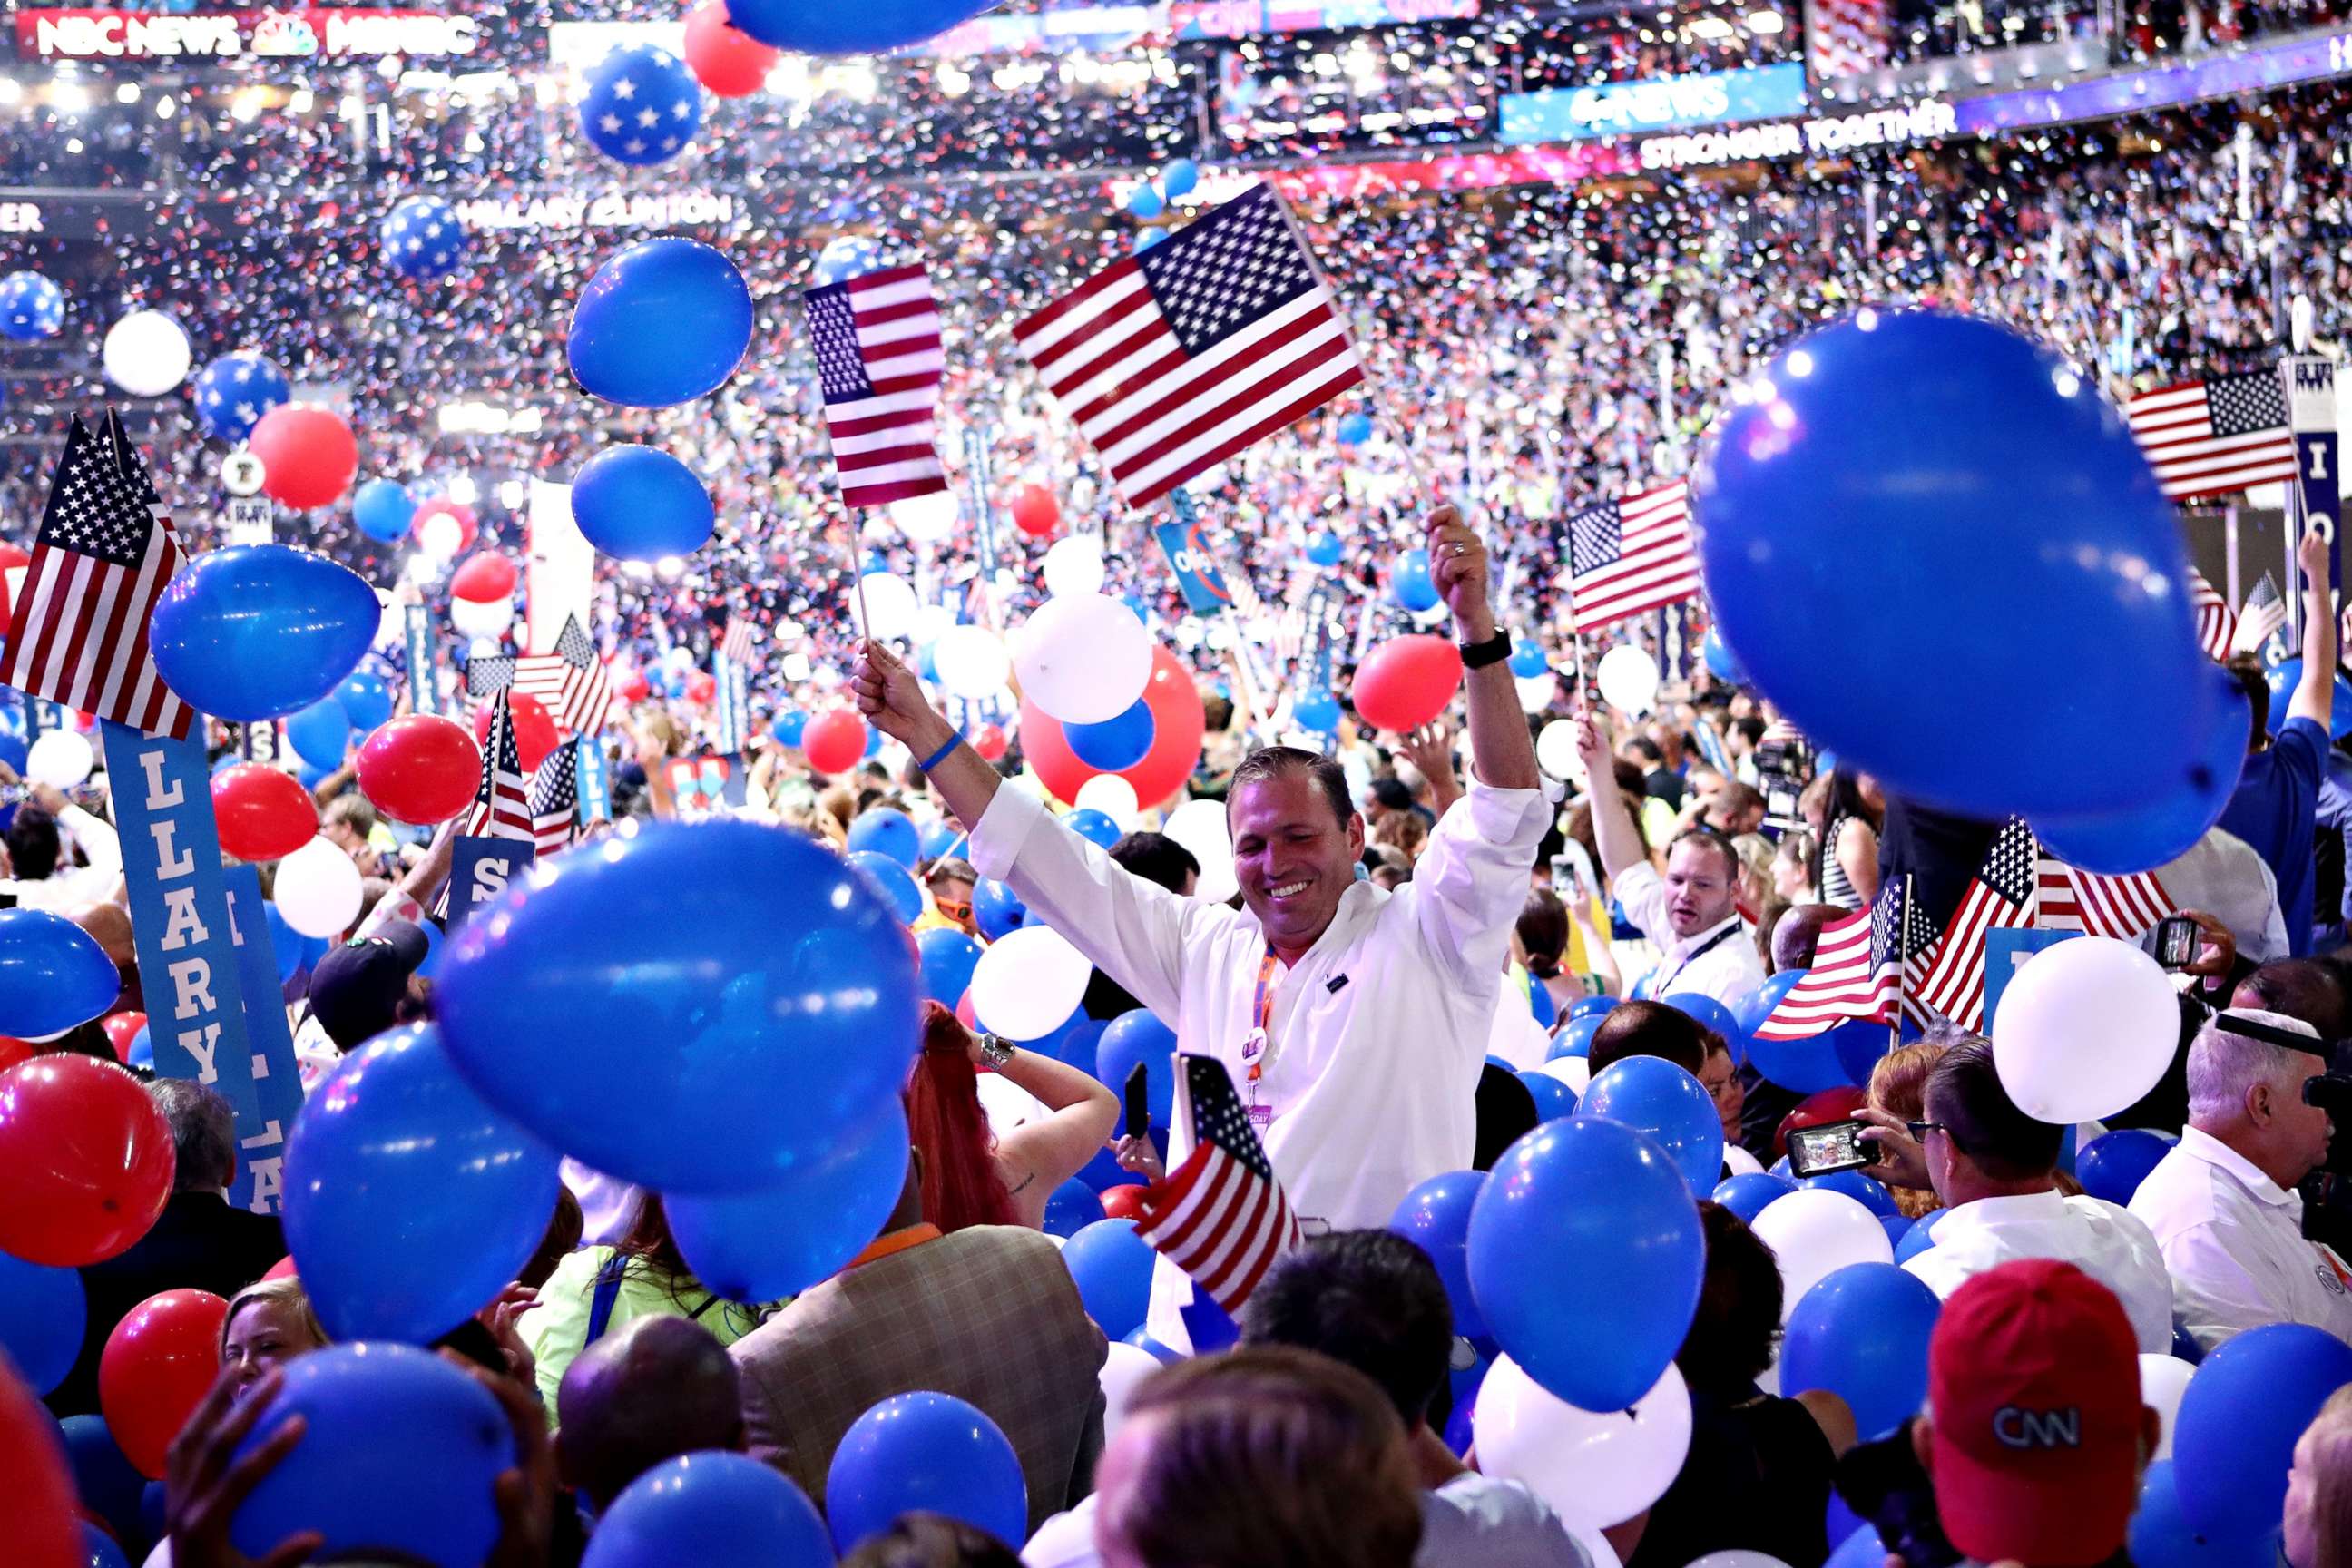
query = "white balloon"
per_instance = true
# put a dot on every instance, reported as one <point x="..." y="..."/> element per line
<point x="972" y="662"/>
<point x="59" y="758"/>
<point x="891" y="601"/>
<point x="2085" y="1028"/>
<point x="1083" y="658"/>
<point x="440" y="536"/>
<point x="1595" y="1467"/>
<point x="1073" y="564"/>
<point x="1556" y="748"/>
<point x="1739" y="1162"/>
<point x="1738" y="1559"/>
<point x="1113" y="796"/>
<point x="1574" y="1071"/>
<point x="1815" y="1232"/>
<point x="932" y="622"/>
<point x="146" y="354"/>
<point x="1123" y="1368"/>
<point x="482" y="648"/>
<point x="926" y="520"/>
<point x="1628" y="678"/>
<point x="1535" y="691"/>
<point x="1200" y="826"/>
<point x="2162" y="1380"/>
<point x="1028" y="984"/>
<point x="481" y="618"/>
<point x="317" y="889"/>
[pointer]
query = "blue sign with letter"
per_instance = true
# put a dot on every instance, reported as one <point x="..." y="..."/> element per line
<point x="276" y="1074"/>
<point x="418" y="624"/>
<point x="479" y="871"/>
<point x="1658" y="103"/>
<point x="1194" y="564"/>
<point x="595" y="792"/>
<point x="2006" y="951"/>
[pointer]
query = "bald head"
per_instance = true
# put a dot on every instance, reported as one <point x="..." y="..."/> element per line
<point x="2308" y="989"/>
<point x="1798" y="931"/>
<point x="110" y="926"/>
<point x="650" y="1391"/>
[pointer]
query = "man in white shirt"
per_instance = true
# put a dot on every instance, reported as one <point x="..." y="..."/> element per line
<point x="2222" y="1204"/>
<point x="1354" y="1021"/>
<point x="1692" y="912"/>
<point x="1996" y="1169"/>
<point x="45" y="876"/>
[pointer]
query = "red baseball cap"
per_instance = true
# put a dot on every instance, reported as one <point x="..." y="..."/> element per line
<point x="2033" y="1381"/>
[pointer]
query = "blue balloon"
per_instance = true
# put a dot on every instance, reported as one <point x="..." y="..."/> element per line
<point x="2042" y="513"/>
<point x="42" y="1314"/>
<point x="1104" y="1172"/>
<point x="1355" y="427"/>
<point x="1071" y="1207"/>
<point x="285" y="942"/>
<point x="1896" y="1228"/>
<point x="781" y="989"/>
<point x="2236" y="1430"/>
<point x="1862" y="1334"/>
<point x="1592" y="1297"/>
<point x="1872" y="1196"/>
<point x="1719" y="659"/>
<point x="1859" y="1043"/>
<point x="1921" y="1236"/>
<point x="2113" y="1165"/>
<point x="1435" y="1217"/>
<point x="1575" y="1037"/>
<point x="779" y="1238"/>
<point x="1748" y="1194"/>
<point x="1325" y="548"/>
<point x="366" y="700"/>
<point x="1096" y="828"/>
<point x="1807" y="1065"/>
<point x="98" y="1548"/>
<point x="925" y="1452"/>
<point x="384" y="508"/>
<point x="1862" y="1549"/>
<point x="1179" y="176"/>
<point x="2286" y="675"/>
<point x="1554" y="1099"/>
<point x="251" y="632"/>
<point x="664" y="323"/>
<point x="1654" y="1096"/>
<point x="996" y="908"/>
<point x="946" y="958"/>
<point x="409" y="1202"/>
<point x="53" y="974"/>
<point x="104" y="1477"/>
<point x="1138" y="1038"/>
<point x="639" y="503"/>
<point x="320" y="733"/>
<point x="16" y="746"/>
<point x="1145" y="202"/>
<point x="1076" y="1042"/>
<point x="142" y="1048"/>
<point x="2165" y="829"/>
<point x="1540" y="1003"/>
<point x="710" y="1507"/>
<point x="847" y="256"/>
<point x="885" y="830"/>
<point x="642" y="106"/>
<point x="1529" y="658"/>
<point x="1318" y="711"/>
<point x="1410" y="585"/>
<point x="1592" y="1006"/>
<point x="1120" y="741"/>
<point x="235" y="391"/>
<point x="2161" y="1536"/>
<point x="890" y="882"/>
<point x="1709" y="1012"/>
<point x="1112" y="1266"/>
<point x="31" y="307"/>
<point x="397" y="1460"/>
<point x="423" y="240"/>
<point x="790" y="726"/>
<point x="938" y="838"/>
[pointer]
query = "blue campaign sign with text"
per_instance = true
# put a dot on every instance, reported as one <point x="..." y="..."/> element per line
<point x="1656" y="103"/>
<point x="277" y="1075"/>
<point x="2005" y="954"/>
<point x="479" y="871"/>
<point x="594" y="790"/>
<point x="1195" y="567"/>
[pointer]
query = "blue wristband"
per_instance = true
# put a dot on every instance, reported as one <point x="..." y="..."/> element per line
<point x="936" y="758"/>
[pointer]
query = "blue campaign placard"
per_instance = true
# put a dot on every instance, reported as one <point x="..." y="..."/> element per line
<point x="595" y="789"/>
<point x="2005" y="954"/>
<point x="1195" y="565"/>
<point x="276" y="1074"/>
<point x="479" y="871"/>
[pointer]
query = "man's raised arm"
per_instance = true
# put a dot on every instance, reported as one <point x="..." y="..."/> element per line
<point x="1501" y="754"/>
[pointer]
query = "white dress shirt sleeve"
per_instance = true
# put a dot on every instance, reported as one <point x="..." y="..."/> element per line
<point x="2213" y="1293"/>
<point x="1641" y="892"/>
<point x="97" y="837"/>
<point x="1472" y="881"/>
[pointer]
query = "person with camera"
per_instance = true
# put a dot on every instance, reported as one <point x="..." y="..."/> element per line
<point x="2222" y="1204"/>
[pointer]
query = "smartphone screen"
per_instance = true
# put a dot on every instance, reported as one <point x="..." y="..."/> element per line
<point x="1833" y="1146"/>
<point x="1139" y="1100"/>
<point x="2175" y="941"/>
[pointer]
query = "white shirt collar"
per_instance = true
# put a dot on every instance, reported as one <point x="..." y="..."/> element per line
<point x="1685" y="947"/>
<point x="2202" y="1145"/>
<point x="2024" y="1209"/>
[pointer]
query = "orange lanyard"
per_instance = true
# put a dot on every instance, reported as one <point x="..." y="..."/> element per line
<point x="1262" y="1009"/>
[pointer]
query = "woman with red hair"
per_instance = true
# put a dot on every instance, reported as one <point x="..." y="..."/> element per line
<point x="973" y="1175"/>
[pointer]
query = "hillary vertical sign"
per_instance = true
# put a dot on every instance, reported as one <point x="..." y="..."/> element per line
<point x="2311" y="417"/>
<point x="417" y="626"/>
<point x="277" y="1075"/>
<point x="179" y="919"/>
<point x="595" y="792"/>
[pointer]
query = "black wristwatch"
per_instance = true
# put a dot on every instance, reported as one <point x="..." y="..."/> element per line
<point x="1494" y="650"/>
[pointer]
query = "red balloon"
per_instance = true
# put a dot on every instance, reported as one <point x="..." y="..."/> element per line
<point x="1829" y="1105"/>
<point x="1407" y="681"/>
<point x="1123" y="1202"/>
<point x="263" y="814"/>
<point x="44" y="1516"/>
<point x="990" y="742"/>
<point x="729" y="62"/>
<point x="420" y="769"/>
<point x="1036" y="512"/>
<point x="282" y="1270"/>
<point x="157" y="1366"/>
<point x="14" y="1050"/>
<point x="1177" y="723"/>
<point x="483" y="578"/>
<point x="534" y="730"/>
<point x="458" y="512"/>
<point x="629" y="684"/>
<point x="833" y="741"/>
<point x="308" y="454"/>
<point x="122" y="1028"/>
<point x="12" y="556"/>
<point x="701" y="686"/>
<point x="85" y="1161"/>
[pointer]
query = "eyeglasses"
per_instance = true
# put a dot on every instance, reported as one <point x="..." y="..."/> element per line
<point x="1919" y="1130"/>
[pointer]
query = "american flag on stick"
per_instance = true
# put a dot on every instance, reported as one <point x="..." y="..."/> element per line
<point x="501" y="807"/>
<point x="569" y="682"/>
<point x="101" y="559"/>
<point x="2211" y="437"/>
<point x="1221" y="1216"/>
<point x="735" y="642"/>
<point x="1629" y="555"/>
<point x="1858" y="969"/>
<point x="879" y="364"/>
<point x="555" y="798"/>
<point x="2001" y="897"/>
<point x="2262" y="616"/>
<point x="2217" y="624"/>
<point x="2123" y="907"/>
<point x="1173" y="360"/>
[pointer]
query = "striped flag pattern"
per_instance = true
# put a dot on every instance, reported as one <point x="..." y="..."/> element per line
<point x="2213" y="437"/>
<point x="735" y="642"/>
<point x="2123" y="907"/>
<point x="1630" y="555"/>
<point x="555" y="798"/>
<point x="569" y="682"/>
<point x="1173" y="360"/>
<point x="2001" y="897"/>
<point x="1221" y="1216"/>
<point x="501" y="807"/>
<point x="2264" y="614"/>
<point x="1857" y="969"/>
<point x="879" y="362"/>
<point x="2217" y="625"/>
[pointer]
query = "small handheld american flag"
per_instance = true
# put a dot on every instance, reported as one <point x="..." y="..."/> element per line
<point x="2002" y="897"/>
<point x="555" y="798"/>
<point x="2212" y="437"/>
<point x="879" y="361"/>
<point x="1221" y="1216"/>
<point x="569" y="682"/>
<point x="1857" y="970"/>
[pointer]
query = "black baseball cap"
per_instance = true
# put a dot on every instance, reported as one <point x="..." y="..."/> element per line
<point x="355" y="990"/>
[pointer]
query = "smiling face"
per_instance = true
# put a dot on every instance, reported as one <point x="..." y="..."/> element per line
<point x="1293" y="856"/>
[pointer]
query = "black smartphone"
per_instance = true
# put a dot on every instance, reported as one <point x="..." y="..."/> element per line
<point x="1139" y="1100"/>
<point x="1831" y="1146"/>
<point x="2175" y="942"/>
<point x="1884" y="1482"/>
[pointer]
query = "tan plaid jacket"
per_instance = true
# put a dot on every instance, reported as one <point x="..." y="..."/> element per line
<point x="988" y="1314"/>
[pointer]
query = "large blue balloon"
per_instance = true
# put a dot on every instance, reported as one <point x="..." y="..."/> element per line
<point x="53" y="974"/>
<point x="710" y="1507"/>
<point x="996" y="908"/>
<point x="1748" y="1194"/>
<point x="99" y="1549"/>
<point x="1325" y="548"/>
<point x="665" y="322"/>
<point x="2236" y="1430"/>
<point x="2113" y="1165"/>
<point x="2001" y="490"/>
<point x="779" y="1240"/>
<point x="890" y="882"/>
<point x="1540" y="1005"/>
<point x="1862" y="1334"/>
<point x="697" y="1008"/>
<point x="1095" y="826"/>
<point x="639" y="503"/>
<point x="2162" y="1537"/>
<point x="924" y="1452"/>
<point x="397" y="1460"/>
<point x="320" y="733"/>
<point x="938" y="838"/>
<point x="642" y="106"/>
<point x="1554" y="1099"/>
<point x="2166" y="828"/>
<point x="1435" y="1216"/>
<point x="1138" y="1038"/>
<point x="235" y="391"/>
<point x="2286" y="675"/>
<point x="1862" y="1549"/>
<point x="104" y="1477"/>
<point x="31" y="307"/>
<point x="790" y="725"/>
<point x="885" y="830"/>
<point x="1071" y="1207"/>
<point x="384" y="508"/>
<point x="1575" y="1037"/>
<point x="42" y="1314"/>
<point x="366" y="700"/>
<point x="1586" y="1256"/>
<point x="871" y="29"/>
<point x="1179" y="176"/>
<point x="1146" y="202"/>
<point x="1872" y="1196"/>
<point x="1077" y="1042"/>
<point x="946" y="958"/>
<point x="1410" y="585"/>
<point x="1921" y="1236"/>
<point x="408" y="1201"/>
<point x="1859" y="1043"/>
<point x="1658" y="1097"/>
<point x="257" y="631"/>
<point x="1120" y="741"/>
<point x="423" y="238"/>
<point x="1112" y="1266"/>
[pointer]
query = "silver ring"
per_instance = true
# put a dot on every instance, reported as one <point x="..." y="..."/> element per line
<point x="1460" y="549"/>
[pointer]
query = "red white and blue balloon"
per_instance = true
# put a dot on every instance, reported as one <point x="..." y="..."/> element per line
<point x="424" y="238"/>
<point x="846" y="256"/>
<point x="642" y="105"/>
<point x="235" y="391"/>
<point x="31" y="307"/>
